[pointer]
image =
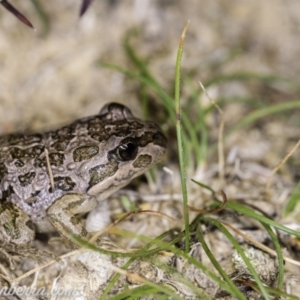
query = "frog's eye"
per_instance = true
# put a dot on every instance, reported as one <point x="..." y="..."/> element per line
<point x="127" y="150"/>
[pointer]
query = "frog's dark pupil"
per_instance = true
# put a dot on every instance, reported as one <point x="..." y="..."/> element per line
<point x="128" y="150"/>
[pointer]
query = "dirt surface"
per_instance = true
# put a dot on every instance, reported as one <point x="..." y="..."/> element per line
<point x="50" y="78"/>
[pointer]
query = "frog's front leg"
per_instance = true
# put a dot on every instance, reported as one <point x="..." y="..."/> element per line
<point x="15" y="225"/>
<point x="62" y="214"/>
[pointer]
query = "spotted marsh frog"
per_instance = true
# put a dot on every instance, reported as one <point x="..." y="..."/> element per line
<point x="47" y="179"/>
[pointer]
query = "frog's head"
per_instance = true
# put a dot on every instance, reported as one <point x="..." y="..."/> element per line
<point x="131" y="147"/>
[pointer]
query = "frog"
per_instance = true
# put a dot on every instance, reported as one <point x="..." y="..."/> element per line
<point x="48" y="180"/>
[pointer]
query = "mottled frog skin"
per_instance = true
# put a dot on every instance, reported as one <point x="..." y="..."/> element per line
<point x="87" y="161"/>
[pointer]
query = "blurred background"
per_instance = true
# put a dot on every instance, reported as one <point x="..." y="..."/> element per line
<point x="53" y="74"/>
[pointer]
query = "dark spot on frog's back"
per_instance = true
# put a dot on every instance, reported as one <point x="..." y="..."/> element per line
<point x="21" y="139"/>
<point x="31" y="152"/>
<point x="16" y="152"/>
<point x="64" y="183"/>
<point x="64" y="132"/>
<point x="61" y="144"/>
<point x="85" y="152"/>
<point x="26" y="179"/>
<point x="56" y="159"/>
<point x="62" y="137"/>
<point x="3" y="171"/>
<point x="19" y="163"/>
<point x="15" y="139"/>
<point x="39" y="163"/>
<point x="35" y="151"/>
<point x="33" y="138"/>
<point x="6" y="194"/>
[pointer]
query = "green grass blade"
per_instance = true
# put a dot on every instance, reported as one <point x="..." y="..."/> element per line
<point x="293" y="201"/>
<point x="148" y="289"/>
<point x="235" y="291"/>
<point x="142" y="67"/>
<point x="241" y="253"/>
<point x="264" y="112"/>
<point x="207" y="187"/>
<point x="279" y="256"/>
<point x="171" y="248"/>
<point x="282" y="294"/>
<point x="252" y="214"/>
<point x="42" y="15"/>
<point x="132" y="259"/>
<point x="245" y="76"/>
<point x="180" y="143"/>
